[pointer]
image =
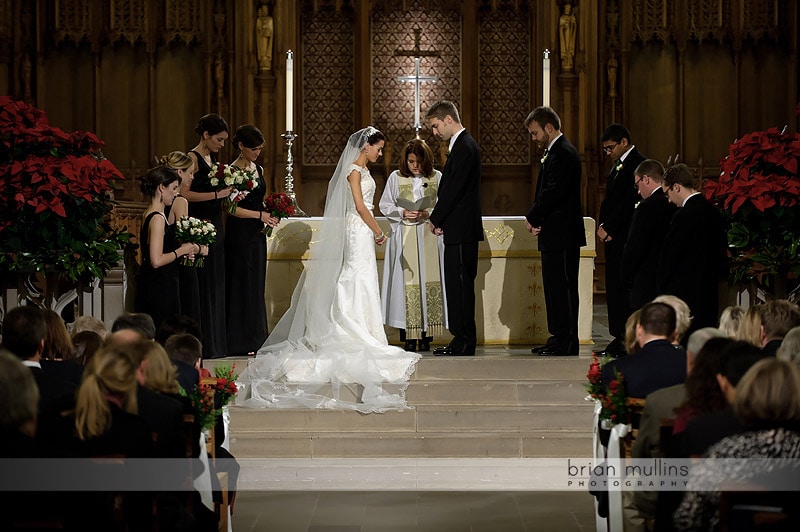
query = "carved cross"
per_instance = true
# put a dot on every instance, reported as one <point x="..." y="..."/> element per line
<point x="416" y="79"/>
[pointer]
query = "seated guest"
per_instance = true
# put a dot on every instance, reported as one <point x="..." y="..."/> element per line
<point x="58" y="354"/>
<point x="777" y="318"/>
<point x="631" y="344"/>
<point x="790" y="347"/>
<point x="701" y="370"/>
<point x="703" y="394"/>
<point x="89" y="323"/>
<point x="137" y="321"/>
<point x="767" y="403"/>
<point x="683" y="316"/>
<point x="659" y="363"/>
<point x="730" y="319"/>
<point x="185" y="351"/>
<point x="24" y="331"/>
<point x="86" y="345"/>
<point x="163" y="415"/>
<point x="750" y="326"/>
<point x="705" y="430"/>
<point x="19" y="400"/>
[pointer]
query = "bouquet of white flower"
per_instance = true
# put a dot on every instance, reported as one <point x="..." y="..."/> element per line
<point x="195" y="231"/>
<point x="242" y="181"/>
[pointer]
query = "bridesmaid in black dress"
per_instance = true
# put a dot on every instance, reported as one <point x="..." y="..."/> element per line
<point x="246" y="252"/>
<point x="157" y="292"/>
<point x="187" y="274"/>
<point x="205" y="202"/>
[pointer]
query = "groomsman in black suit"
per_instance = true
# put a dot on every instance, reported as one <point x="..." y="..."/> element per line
<point x="556" y="218"/>
<point x="457" y="216"/>
<point x="648" y="230"/>
<point x="693" y="254"/>
<point x="616" y="212"/>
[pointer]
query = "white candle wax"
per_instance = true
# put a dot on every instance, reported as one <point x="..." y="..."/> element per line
<point x="289" y="89"/>
<point x="546" y="78"/>
<point x="416" y="93"/>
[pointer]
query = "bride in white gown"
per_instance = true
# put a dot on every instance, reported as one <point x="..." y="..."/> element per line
<point x="332" y="336"/>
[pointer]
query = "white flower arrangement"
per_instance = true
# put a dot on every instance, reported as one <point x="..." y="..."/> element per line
<point x="195" y="231"/>
<point x="618" y="167"/>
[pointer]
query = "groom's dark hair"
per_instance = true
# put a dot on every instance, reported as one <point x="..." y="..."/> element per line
<point x="441" y="109"/>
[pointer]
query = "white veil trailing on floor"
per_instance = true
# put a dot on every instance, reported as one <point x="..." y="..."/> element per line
<point x="318" y="355"/>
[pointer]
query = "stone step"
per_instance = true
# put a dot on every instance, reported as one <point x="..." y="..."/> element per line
<point x="530" y="444"/>
<point x="418" y="420"/>
<point x="495" y="393"/>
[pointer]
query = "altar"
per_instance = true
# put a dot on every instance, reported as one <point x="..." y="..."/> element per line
<point x="510" y="306"/>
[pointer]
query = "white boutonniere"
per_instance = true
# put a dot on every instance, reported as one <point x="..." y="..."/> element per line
<point x="637" y="205"/>
<point x="619" y="166"/>
<point x="544" y="158"/>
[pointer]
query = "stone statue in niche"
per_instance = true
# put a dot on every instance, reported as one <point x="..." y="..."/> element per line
<point x="612" y="77"/>
<point x="566" y="32"/>
<point x="264" y="32"/>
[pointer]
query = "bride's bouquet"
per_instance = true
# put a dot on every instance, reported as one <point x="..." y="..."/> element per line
<point x="195" y="231"/>
<point x="279" y="205"/>
<point x="242" y="181"/>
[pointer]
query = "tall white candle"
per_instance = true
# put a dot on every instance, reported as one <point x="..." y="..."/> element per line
<point x="416" y="93"/>
<point x="546" y="78"/>
<point x="289" y="89"/>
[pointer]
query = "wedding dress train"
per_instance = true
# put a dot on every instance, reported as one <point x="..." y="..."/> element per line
<point x="318" y="348"/>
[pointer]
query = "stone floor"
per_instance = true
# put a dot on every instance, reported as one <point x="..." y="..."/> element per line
<point x="383" y="510"/>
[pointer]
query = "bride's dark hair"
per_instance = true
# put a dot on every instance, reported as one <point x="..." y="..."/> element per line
<point x="375" y="138"/>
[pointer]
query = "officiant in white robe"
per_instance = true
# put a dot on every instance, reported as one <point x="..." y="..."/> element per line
<point x="412" y="291"/>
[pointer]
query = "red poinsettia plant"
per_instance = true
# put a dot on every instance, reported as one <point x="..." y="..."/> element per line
<point x="594" y="385"/>
<point x="758" y="192"/>
<point x="56" y="198"/>
<point x="279" y="205"/>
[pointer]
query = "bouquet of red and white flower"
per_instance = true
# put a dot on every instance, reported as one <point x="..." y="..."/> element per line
<point x="225" y="386"/>
<point x="279" y="205"/>
<point x="242" y="181"/>
<point x="195" y="231"/>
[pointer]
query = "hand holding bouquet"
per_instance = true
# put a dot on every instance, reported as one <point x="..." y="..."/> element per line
<point x="195" y="231"/>
<point x="279" y="205"/>
<point x="242" y="181"/>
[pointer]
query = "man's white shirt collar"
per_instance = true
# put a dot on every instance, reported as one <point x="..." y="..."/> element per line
<point x="687" y="198"/>
<point x="554" y="141"/>
<point x="453" y="138"/>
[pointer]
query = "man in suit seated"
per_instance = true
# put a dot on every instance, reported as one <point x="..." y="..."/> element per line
<point x="658" y="363"/>
<point x="24" y="330"/>
<point x="778" y="317"/>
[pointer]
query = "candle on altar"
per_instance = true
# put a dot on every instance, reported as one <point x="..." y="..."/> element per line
<point x="546" y="78"/>
<point x="289" y="89"/>
<point x="416" y="95"/>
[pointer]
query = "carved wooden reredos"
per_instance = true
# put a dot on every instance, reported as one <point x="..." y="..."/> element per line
<point x="686" y="76"/>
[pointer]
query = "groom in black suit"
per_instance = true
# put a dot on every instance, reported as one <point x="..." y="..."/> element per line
<point x="556" y="218"/>
<point x="457" y="216"/>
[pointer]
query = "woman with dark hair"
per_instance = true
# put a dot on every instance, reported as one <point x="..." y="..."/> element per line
<point x="246" y="252"/>
<point x="333" y="332"/>
<point x="412" y="298"/>
<point x="205" y="202"/>
<point x="157" y="290"/>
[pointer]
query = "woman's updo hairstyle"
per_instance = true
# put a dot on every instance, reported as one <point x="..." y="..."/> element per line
<point x="160" y="175"/>
<point x="375" y="137"/>
<point x="211" y="123"/>
<point x="177" y="160"/>
<point x="249" y="135"/>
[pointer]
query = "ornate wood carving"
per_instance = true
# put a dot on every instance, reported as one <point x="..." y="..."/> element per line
<point x="709" y="19"/>
<point x="651" y="20"/>
<point x="129" y="21"/>
<point x="181" y="21"/>
<point x="504" y="50"/>
<point x="327" y="81"/>
<point x="72" y="21"/>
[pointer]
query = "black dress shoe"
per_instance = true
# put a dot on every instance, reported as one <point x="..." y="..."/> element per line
<point x="443" y="351"/>
<point x="424" y="345"/>
<point x="411" y="345"/>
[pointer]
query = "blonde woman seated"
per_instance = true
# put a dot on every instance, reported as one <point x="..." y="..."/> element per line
<point x="750" y="326"/>
<point x="730" y="319"/>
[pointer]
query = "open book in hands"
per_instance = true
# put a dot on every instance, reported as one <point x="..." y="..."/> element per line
<point x="425" y="202"/>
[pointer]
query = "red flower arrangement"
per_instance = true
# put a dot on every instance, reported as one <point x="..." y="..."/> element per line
<point x="758" y="192"/>
<point x="226" y="383"/>
<point x="615" y="402"/>
<point x="203" y="403"/>
<point x="279" y="205"/>
<point x="56" y="189"/>
<point x="595" y="386"/>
